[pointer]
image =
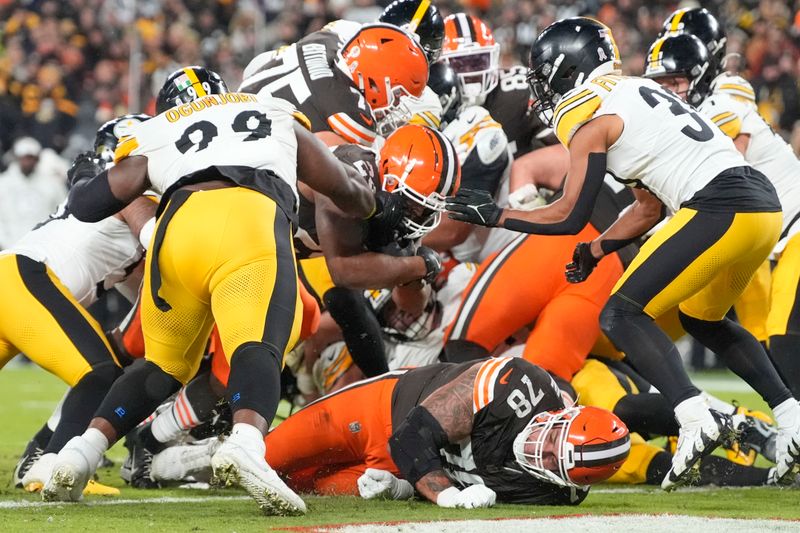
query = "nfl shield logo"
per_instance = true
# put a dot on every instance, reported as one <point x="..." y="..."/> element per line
<point x="183" y="82"/>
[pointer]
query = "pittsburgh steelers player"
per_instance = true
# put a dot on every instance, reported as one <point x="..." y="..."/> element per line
<point x="51" y="276"/>
<point x="696" y="74"/>
<point x="727" y="219"/>
<point x="226" y="165"/>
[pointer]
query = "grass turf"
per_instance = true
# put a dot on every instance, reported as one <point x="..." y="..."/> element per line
<point x="27" y="396"/>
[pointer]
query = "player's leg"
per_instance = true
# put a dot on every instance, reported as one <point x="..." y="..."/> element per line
<point x="783" y="322"/>
<point x="509" y="290"/>
<point x="752" y="307"/>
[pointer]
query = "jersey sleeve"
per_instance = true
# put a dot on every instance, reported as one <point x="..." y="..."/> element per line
<point x="507" y="385"/>
<point x="425" y="110"/>
<point x="726" y="112"/>
<point x="125" y="148"/>
<point x="735" y="86"/>
<point x="285" y="106"/>
<point x="575" y="109"/>
<point x="354" y="127"/>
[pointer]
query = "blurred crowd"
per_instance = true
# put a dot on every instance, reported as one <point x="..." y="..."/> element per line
<point x="67" y="66"/>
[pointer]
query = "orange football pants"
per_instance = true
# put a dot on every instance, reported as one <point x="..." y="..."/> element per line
<point x="524" y="284"/>
<point x="327" y="445"/>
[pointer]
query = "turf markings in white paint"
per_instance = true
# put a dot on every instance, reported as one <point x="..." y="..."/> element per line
<point x="113" y="501"/>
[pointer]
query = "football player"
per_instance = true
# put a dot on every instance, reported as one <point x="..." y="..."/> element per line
<point x="349" y="92"/>
<point x="693" y="69"/>
<point x="51" y="276"/>
<point x="727" y="218"/>
<point x="226" y="165"/>
<point x="461" y="435"/>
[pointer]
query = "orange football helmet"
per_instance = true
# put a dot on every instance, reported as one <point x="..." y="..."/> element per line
<point x="421" y="164"/>
<point x="471" y="51"/>
<point x="573" y="447"/>
<point x="386" y="63"/>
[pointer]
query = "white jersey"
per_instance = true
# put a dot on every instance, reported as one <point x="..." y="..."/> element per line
<point x="483" y="152"/>
<point x="88" y="258"/>
<point x="732" y="107"/>
<point x="665" y="147"/>
<point x="231" y="131"/>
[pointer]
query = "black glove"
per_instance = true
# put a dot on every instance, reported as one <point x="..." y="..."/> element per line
<point x="86" y="165"/>
<point x="473" y="206"/>
<point x="433" y="263"/>
<point x="385" y="225"/>
<point x="583" y="263"/>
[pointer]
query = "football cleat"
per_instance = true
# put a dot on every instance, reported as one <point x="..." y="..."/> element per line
<point x="38" y="474"/>
<point x="94" y="488"/>
<point x="31" y="454"/>
<point x="136" y="468"/>
<point x="696" y="440"/>
<point x="234" y="465"/>
<point x="71" y="473"/>
<point x="787" y="445"/>
<point x="757" y="434"/>
<point x="177" y="463"/>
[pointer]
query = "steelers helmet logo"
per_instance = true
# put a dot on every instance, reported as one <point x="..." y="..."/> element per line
<point x="124" y="127"/>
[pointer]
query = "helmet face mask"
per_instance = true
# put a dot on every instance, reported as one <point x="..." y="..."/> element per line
<point x="542" y="449"/>
<point x="545" y="100"/>
<point x="395" y="113"/>
<point x="443" y="81"/>
<point x="109" y="134"/>
<point x="473" y="54"/>
<point x="423" y="213"/>
<point x="682" y="56"/>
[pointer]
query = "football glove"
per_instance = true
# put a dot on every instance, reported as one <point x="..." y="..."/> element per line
<point x="583" y="263"/>
<point x="376" y="483"/>
<point x="473" y="497"/>
<point x="385" y="225"/>
<point x="473" y="206"/>
<point x="433" y="263"/>
<point x="86" y="165"/>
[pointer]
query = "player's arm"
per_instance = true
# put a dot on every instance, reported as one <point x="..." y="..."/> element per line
<point x="545" y="167"/>
<point x="446" y="416"/>
<point x="138" y="215"/>
<point x="742" y="141"/>
<point x="340" y="237"/>
<point x="321" y="171"/>
<point x="569" y="214"/>
<point x="107" y="193"/>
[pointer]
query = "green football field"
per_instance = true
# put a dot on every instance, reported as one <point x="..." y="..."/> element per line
<point x="27" y="396"/>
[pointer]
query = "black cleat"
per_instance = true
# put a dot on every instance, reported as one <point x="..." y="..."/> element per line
<point x="31" y="454"/>
<point x="136" y="468"/>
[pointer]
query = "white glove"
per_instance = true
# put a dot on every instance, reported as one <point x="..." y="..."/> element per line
<point x="376" y="483"/>
<point x="526" y="198"/>
<point x="473" y="497"/>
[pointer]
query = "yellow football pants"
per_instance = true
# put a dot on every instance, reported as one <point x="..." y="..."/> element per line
<point x="39" y="317"/>
<point x="784" y="313"/>
<point x="700" y="261"/>
<point x="226" y="257"/>
<point x="315" y="276"/>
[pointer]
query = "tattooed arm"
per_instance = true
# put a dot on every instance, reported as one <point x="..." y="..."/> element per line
<point x="451" y="406"/>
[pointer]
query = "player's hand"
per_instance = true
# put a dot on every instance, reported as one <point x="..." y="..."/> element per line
<point x="386" y="224"/>
<point x="473" y="206"/>
<point x="86" y="165"/>
<point x="433" y="263"/>
<point x="376" y="483"/>
<point x="473" y="497"/>
<point x="583" y="263"/>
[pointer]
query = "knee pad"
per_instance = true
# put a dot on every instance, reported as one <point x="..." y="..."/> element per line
<point x="106" y="371"/>
<point x="460" y="351"/>
<point x="616" y="311"/>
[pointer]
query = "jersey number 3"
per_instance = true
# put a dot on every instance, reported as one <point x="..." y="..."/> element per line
<point x="653" y="97"/>
<point x="201" y="133"/>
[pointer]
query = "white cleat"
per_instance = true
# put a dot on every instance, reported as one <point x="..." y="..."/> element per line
<point x="787" y="446"/>
<point x="71" y="474"/>
<point x="697" y="438"/>
<point x="177" y="463"/>
<point x="35" y="478"/>
<point x="234" y="465"/>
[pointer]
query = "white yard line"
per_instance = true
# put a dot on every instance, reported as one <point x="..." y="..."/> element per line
<point x="110" y="501"/>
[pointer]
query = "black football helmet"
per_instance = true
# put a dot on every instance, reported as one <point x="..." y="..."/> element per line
<point x="187" y="84"/>
<point x="703" y="25"/>
<point x="443" y="81"/>
<point x="109" y="134"/>
<point x="566" y="54"/>
<point x="682" y="55"/>
<point x="418" y="17"/>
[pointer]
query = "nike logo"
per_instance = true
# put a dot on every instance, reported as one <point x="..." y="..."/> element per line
<point x="504" y="379"/>
<point x="368" y="121"/>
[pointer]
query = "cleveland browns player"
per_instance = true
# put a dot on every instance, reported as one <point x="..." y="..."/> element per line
<point x="51" y="275"/>
<point x="239" y="198"/>
<point x="727" y="218"/>
<point x="696" y="74"/>
<point x="349" y="92"/>
<point x="461" y="435"/>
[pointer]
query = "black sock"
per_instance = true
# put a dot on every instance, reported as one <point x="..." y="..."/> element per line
<point x="80" y="404"/>
<point x="742" y="353"/>
<point x="201" y="396"/>
<point x="647" y="413"/>
<point x="360" y="329"/>
<point x="255" y="379"/>
<point x="649" y="349"/>
<point x="785" y="354"/>
<point x="43" y="436"/>
<point x="658" y="468"/>
<point x="135" y="395"/>
<point x="461" y="351"/>
<point x="723" y="473"/>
